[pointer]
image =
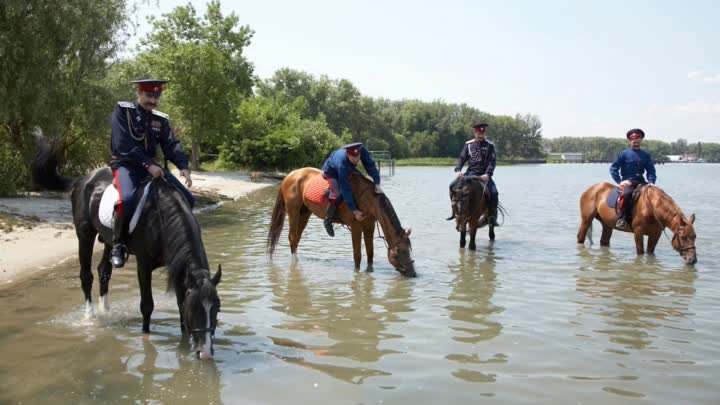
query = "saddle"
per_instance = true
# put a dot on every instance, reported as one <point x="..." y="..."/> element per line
<point x="615" y="198"/>
<point x="107" y="205"/>
<point x="317" y="190"/>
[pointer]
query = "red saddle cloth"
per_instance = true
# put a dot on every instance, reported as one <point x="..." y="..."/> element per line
<point x="315" y="190"/>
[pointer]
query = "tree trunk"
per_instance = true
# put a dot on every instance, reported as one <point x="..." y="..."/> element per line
<point x="195" y="158"/>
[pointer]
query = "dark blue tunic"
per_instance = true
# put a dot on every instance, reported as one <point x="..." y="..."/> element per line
<point x="631" y="164"/>
<point x="338" y="167"/>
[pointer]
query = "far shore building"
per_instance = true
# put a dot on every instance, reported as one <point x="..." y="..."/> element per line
<point x="569" y="157"/>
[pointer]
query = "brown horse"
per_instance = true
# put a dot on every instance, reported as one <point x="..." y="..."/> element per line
<point x="470" y="198"/>
<point x="291" y="199"/>
<point x="653" y="211"/>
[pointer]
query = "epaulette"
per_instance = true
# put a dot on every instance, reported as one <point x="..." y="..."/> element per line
<point x="126" y="104"/>
<point x="469" y="142"/>
<point x="161" y="114"/>
<point x="488" y="141"/>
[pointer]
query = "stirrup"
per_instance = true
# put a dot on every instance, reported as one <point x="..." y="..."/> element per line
<point x="119" y="255"/>
<point x="620" y="224"/>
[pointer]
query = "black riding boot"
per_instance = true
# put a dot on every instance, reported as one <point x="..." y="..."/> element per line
<point x="621" y="222"/>
<point x="493" y="212"/>
<point x="452" y="207"/>
<point x="329" y="216"/>
<point x="119" y="254"/>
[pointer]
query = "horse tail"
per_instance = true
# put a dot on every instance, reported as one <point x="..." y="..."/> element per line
<point x="45" y="165"/>
<point x="276" y="223"/>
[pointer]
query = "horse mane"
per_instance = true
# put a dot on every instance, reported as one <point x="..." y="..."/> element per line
<point x="180" y="235"/>
<point x="666" y="208"/>
<point x="383" y="201"/>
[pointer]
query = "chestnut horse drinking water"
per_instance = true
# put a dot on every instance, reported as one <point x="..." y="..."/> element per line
<point x="654" y="210"/>
<point x="292" y="199"/>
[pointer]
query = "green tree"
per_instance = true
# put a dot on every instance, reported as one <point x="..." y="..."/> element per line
<point x="203" y="58"/>
<point x="53" y="57"/>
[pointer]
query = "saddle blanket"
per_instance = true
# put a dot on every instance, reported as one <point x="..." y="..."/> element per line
<point x="107" y="206"/>
<point x="315" y="191"/>
<point x="612" y="198"/>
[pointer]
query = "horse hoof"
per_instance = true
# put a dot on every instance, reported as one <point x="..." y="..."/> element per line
<point x="89" y="311"/>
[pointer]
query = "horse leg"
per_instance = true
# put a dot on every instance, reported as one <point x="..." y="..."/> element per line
<point x="491" y="232"/>
<point x="180" y="296"/>
<point x="473" y="232"/>
<point x="294" y="219"/>
<point x="606" y="234"/>
<point x="368" y="234"/>
<point x="652" y="242"/>
<point x="104" y="270"/>
<point x="639" y="241"/>
<point x="356" y="231"/>
<point x="85" y="250"/>
<point x="587" y="214"/>
<point x="463" y="231"/>
<point x="146" y="298"/>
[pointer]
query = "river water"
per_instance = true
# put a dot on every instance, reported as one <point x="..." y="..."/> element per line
<point x="532" y="318"/>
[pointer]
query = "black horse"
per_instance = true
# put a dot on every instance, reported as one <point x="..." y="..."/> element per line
<point x="470" y="199"/>
<point x="167" y="234"/>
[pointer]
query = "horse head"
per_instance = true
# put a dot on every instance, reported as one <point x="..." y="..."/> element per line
<point x="684" y="240"/>
<point x="399" y="254"/>
<point x="200" y="309"/>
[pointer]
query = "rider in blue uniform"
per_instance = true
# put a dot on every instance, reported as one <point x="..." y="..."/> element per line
<point x="479" y="153"/>
<point x="337" y="170"/>
<point x="136" y="130"/>
<point x="628" y="171"/>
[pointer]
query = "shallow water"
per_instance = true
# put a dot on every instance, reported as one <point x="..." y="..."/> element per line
<point x="532" y="318"/>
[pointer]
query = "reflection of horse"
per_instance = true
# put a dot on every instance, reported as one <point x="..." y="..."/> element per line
<point x="654" y="211"/>
<point x="291" y="199"/>
<point x="471" y="198"/>
<point x="634" y="301"/>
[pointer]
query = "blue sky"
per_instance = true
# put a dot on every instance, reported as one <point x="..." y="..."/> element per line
<point x="585" y="68"/>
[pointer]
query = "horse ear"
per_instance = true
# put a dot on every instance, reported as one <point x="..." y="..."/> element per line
<point x="408" y="231"/>
<point x="218" y="274"/>
<point x="692" y="218"/>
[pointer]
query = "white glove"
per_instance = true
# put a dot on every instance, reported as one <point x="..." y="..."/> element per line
<point x="378" y="189"/>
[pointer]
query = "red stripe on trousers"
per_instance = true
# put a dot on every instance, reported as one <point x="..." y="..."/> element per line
<point x="116" y="183"/>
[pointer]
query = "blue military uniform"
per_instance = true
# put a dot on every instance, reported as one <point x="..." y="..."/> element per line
<point x="337" y="170"/>
<point x="480" y="157"/>
<point x="632" y="164"/>
<point x="134" y="137"/>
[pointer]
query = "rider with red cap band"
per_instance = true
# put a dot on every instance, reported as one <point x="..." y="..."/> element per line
<point x="136" y="130"/>
<point x="628" y="170"/>
<point x="337" y="170"/>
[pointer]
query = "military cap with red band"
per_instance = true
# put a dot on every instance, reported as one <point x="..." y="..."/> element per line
<point x="353" y="149"/>
<point x="480" y="126"/>
<point x="635" y="133"/>
<point x="153" y="86"/>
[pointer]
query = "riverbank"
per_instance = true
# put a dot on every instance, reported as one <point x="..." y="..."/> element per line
<point x="37" y="234"/>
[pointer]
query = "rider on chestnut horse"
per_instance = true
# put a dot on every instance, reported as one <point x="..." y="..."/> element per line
<point x="628" y="171"/>
<point x="337" y="170"/>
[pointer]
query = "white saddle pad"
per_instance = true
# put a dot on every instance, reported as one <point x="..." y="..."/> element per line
<point x="107" y="207"/>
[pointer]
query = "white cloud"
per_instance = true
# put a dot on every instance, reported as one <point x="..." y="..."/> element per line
<point x="698" y="107"/>
<point x="702" y="77"/>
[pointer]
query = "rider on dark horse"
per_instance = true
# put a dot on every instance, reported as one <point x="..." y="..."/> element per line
<point x="628" y="171"/>
<point x="136" y="130"/>
<point x="337" y="170"/>
<point x="479" y="153"/>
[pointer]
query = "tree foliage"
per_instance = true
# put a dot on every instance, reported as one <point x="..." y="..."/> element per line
<point x="203" y="58"/>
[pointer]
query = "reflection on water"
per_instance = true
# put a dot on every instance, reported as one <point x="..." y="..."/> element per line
<point x="528" y="319"/>
<point x="471" y="309"/>
<point x="632" y="298"/>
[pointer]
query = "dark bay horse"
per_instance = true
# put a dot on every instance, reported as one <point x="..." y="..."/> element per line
<point x="377" y="207"/>
<point x="653" y="211"/>
<point x="471" y="198"/>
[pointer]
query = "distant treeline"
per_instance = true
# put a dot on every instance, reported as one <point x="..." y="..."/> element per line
<point x="61" y="73"/>
<point x="605" y="149"/>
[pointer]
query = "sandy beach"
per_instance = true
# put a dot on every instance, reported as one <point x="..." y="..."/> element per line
<point x="37" y="234"/>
